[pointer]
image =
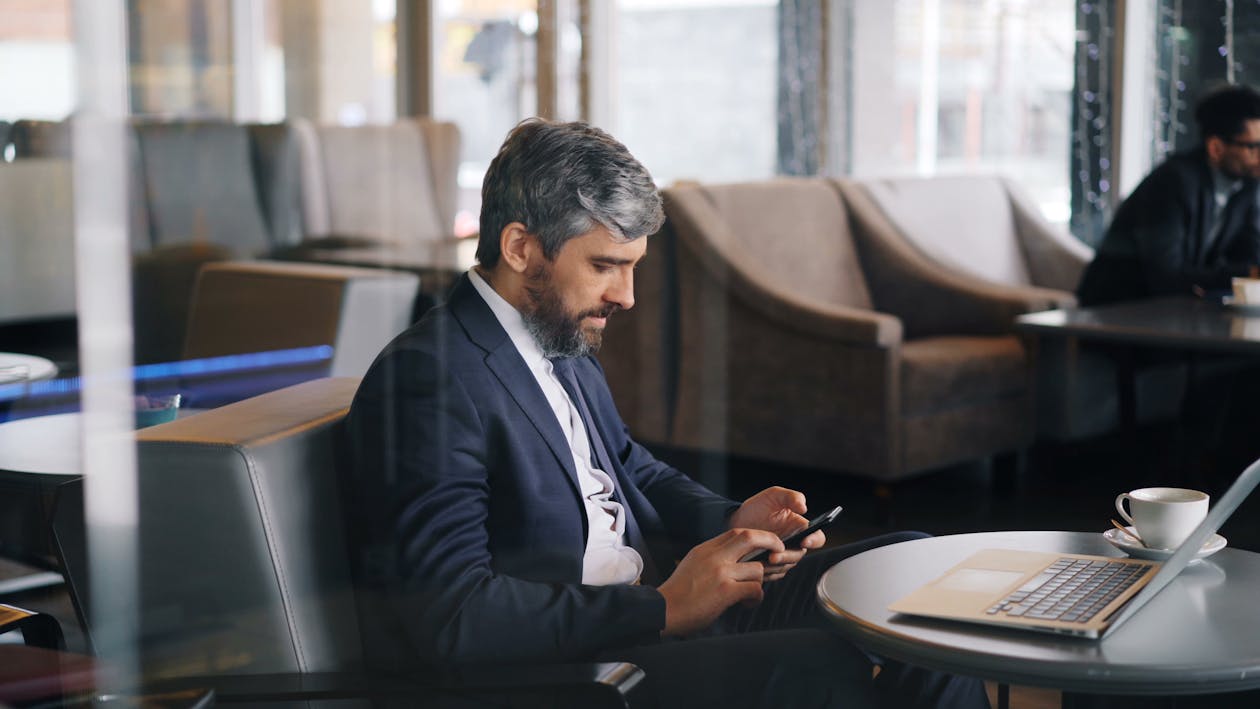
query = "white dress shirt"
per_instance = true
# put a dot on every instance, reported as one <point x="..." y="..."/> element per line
<point x="608" y="559"/>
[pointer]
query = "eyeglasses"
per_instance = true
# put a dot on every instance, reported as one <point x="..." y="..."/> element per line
<point x="1253" y="146"/>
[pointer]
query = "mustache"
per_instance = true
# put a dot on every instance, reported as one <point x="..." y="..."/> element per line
<point x="603" y="312"/>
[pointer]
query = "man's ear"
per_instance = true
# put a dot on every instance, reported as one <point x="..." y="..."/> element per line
<point x="516" y="246"/>
<point x="1215" y="146"/>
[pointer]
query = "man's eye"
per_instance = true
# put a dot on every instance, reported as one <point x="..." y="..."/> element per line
<point x="602" y="268"/>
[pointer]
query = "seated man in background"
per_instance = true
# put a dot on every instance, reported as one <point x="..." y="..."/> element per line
<point x="1193" y="223"/>
<point x="501" y="506"/>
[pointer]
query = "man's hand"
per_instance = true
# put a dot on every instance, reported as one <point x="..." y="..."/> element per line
<point x="711" y="578"/>
<point x="781" y="511"/>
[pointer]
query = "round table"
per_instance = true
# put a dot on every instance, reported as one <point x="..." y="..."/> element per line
<point x="42" y="445"/>
<point x="1200" y="635"/>
<point x="21" y="368"/>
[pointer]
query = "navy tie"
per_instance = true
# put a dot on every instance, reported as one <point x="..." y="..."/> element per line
<point x="564" y="369"/>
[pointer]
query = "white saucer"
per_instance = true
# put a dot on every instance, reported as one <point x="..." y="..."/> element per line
<point x="1129" y="546"/>
<point x="1247" y="308"/>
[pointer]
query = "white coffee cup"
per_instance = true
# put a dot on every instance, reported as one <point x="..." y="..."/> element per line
<point x="1163" y="516"/>
<point x="1246" y="291"/>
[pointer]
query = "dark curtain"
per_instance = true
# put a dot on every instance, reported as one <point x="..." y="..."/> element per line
<point x="800" y="89"/>
<point x="1092" y="125"/>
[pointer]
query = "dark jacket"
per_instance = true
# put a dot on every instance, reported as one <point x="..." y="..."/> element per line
<point x="1155" y="244"/>
<point x="465" y="495"/>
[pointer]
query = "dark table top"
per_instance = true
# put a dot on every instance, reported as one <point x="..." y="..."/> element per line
<point x="1200" y="635"/>
<point x="1183" y="323"/>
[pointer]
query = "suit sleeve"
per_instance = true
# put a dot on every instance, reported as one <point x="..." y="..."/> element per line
<point x="422" y="461"/>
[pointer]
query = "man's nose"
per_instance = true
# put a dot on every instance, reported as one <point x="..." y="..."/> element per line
<point x="622" y="290"/>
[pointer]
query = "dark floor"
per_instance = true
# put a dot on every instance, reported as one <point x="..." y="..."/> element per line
<point x="1059" y="486"/>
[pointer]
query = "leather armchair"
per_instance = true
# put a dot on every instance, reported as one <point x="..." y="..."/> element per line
<point x="984" y="226"/>
<point x="240" y="307"/>
<point x="209" y="182"/>
<point x="987" y="228"/>
<point x="387" y="184"/>
<point x="245" y="581"/>
<point x="806" y="336"/>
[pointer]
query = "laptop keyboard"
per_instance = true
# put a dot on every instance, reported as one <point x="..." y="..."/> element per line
<point x="1070" y="590"/>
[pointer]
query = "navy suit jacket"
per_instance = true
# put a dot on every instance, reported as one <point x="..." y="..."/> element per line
<point x="1156" y="245"/>
<point x="464" y="502"/>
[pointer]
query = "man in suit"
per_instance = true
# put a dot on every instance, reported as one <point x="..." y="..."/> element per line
<point x="501" y="500"/>
<point x="1194" y="222"/>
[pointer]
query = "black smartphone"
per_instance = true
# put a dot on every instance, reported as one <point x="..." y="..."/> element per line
<point x="793" y="540"/>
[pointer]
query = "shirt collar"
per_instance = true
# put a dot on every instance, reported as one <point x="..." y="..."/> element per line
<point x="1224" y="186"/>
<point x="510" y="319"/>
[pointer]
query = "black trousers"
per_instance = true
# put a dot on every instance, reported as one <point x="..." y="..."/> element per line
<point x="783" y="654"/>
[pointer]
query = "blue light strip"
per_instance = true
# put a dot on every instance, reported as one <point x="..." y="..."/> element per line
<point x="227" y="364"/>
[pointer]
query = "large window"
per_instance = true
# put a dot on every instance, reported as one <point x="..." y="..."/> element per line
<point x="695" y="87"/>
<point x="36" y="60"/>
<point x="485" y="77"/>
<point x="968" y="86"/>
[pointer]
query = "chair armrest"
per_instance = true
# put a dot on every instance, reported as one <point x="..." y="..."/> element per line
<point x="1056" y="259"/>
<point x="38" y="629"/>
<point x="593" y="685"/>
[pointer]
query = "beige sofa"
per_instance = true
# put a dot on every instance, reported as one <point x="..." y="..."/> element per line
<point x="810" y="334"/>
<point x="988" y="228"/>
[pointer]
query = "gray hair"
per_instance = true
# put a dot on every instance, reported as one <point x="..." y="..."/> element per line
<point x="560" y="180"/>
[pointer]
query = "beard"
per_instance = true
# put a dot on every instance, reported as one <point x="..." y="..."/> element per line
<point x="558" y="332"/>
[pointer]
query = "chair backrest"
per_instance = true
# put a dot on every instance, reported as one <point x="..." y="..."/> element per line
<point x="395" y="183"/>
<point x="199" y="184"/>
<point x="36" y="239"/>
<point x="792" y="231"/>
<point x="277" y="172"/>
<point x="40" y="139"/>
<point x="244" y="564"/>
<point x="961" y="222"/>
<point x="980" y="225"/>
<point x="258" y="306"/>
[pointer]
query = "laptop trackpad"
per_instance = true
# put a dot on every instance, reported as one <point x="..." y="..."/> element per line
<point x="979" y="580"/>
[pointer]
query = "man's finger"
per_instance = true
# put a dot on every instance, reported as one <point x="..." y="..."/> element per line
<point x="749" y="571"/>
<point x="739" y="542"/>
<point x="786" y="557"/>
<point x="750" y="593"/>
<point x="790" y="499"/>
<point x="814" y="541"/>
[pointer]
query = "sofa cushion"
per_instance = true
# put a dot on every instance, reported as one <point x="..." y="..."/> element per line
<point x="962" y="222"/>
<point x="941" y="373"/>
<point x="797" y="231"/>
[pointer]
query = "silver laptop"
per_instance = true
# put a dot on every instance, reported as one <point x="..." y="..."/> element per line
<point x="1069" y="594"/>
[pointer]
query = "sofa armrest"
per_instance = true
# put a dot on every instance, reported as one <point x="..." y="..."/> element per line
<point x="1056" y="259"/>
<point x="756" y="379"/>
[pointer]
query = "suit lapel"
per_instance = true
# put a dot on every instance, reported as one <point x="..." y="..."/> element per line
<point x="505" y="362"/>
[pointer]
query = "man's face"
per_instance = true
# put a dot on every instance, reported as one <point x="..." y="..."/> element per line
<point x="569" y="299"/>
<point x="1239" y="157"/>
